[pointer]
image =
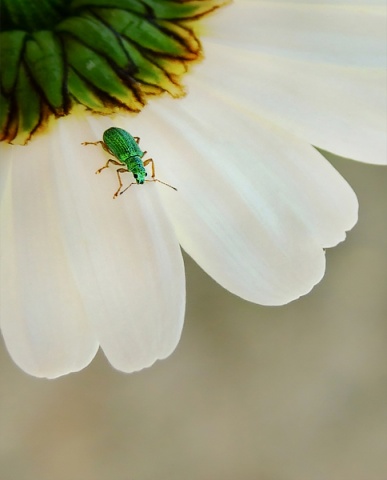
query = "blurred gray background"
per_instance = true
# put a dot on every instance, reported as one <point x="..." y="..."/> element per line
<point x="252" y="393"/>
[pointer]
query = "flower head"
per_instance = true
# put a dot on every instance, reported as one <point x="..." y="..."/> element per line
<point x="256" y="203"/>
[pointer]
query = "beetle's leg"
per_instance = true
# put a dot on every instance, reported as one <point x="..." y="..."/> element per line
<point x="147" y="162"/>
<point x="93" y="143"/>
<point x="96" y="143"/>
<point x="107" y="164"/>
<point x="104" y="146"/>
<point x="118" y="171"/>
<point x="137" y="139"/>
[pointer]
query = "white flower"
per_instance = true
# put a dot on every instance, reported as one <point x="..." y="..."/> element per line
<point x="256" y="203"/>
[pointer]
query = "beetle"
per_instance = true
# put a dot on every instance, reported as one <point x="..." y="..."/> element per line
<point x="128" y="156"/>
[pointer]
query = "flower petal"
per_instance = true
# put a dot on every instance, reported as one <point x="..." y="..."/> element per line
<point x="42" y="317"/>
<point x="255" y="205"/>
<point x="93" y="267"/>
<point x="128" y="265"/>
<point x="339" y="109"/>
<point x="350" y="33"/>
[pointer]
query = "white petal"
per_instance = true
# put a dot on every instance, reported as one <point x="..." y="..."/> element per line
<point x="42" y="316"/>
<point x="343" y="33"/>
<point x="125" y="257"/>
<point x="339" y="109"/>
<point x="255" y="206"/>
<point x="80" y="266"/>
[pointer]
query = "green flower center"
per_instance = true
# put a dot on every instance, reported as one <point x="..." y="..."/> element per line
<point x="106" y="55"/>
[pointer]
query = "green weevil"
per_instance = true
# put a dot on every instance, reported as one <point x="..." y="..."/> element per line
<point x="128" y="154"/>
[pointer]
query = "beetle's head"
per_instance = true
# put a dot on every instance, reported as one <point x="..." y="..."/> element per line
<point x="139" y="174"/>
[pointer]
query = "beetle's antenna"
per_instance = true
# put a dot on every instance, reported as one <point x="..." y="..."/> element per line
<point x="123" y="191"/>
<point x="166" y="184"/>
<point x="154" y="180"/>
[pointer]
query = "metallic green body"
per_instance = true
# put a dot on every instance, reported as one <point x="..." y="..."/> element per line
<point x="126" y="150"/>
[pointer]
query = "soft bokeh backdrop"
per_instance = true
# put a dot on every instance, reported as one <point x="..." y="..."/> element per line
<point x="252" y="393"/>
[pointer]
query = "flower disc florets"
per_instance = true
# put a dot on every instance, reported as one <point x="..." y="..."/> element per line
<point x="103" y="54"/>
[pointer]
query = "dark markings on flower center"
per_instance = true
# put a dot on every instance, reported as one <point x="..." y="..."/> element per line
<point x="106" y="55"/>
